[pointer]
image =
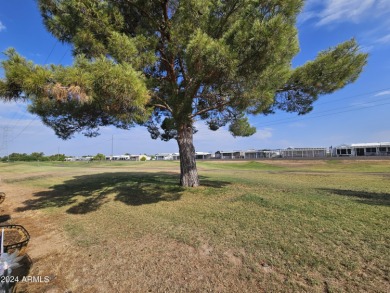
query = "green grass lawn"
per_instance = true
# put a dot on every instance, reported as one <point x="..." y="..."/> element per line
<point x="315" y="226"/>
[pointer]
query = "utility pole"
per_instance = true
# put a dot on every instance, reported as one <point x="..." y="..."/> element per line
<point x="5" y="141"/>
<point x="112" y="147"/>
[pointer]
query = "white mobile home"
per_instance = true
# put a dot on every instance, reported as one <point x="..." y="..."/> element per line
<point x="118" y="158"/>
<point x="202" y="155"/>
<point x="139" y="158"/>
<point x="167" y="156"/>
<point x="259" y="154"/>
<point x="362" y="149"/>
<point x="229" y="155"/>
<point x="304" y="153"/>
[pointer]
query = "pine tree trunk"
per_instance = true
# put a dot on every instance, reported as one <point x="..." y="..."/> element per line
<point x="188" y="172"/>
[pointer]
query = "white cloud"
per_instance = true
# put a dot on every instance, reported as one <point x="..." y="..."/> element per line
<point x="369" y="16"/>
<point x="384" y="93"/>
<point x="384" y="40"/>
<point x="263" y="133"/>
<point x="384" y="6"/>
<point x="367" y="48"/>
<point x="307" y="15"/>
<point x="25" y="133"/>
<point x="29" y="135"/>
<point x="2" y="26"/>
<point x="342" y="10"/>
<point x="335" y="11"/>
<point x="373" y="102"/>
<point x="377" y="36"/>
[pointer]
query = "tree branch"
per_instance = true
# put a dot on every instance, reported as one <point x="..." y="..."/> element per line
<point x="165" y="11"/>
<point x="182" y="70"/>
<point x="224" y="21"/>
<point x="152" y="19"/>
<point x="164" y="105"/>
<point x="209" y="109"/>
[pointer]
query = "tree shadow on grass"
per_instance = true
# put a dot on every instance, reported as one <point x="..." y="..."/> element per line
<point x="5" y="218"/>
<point x="371" y="198"/>
<point x="87" y="193"/>
<point x="21" y="271"/>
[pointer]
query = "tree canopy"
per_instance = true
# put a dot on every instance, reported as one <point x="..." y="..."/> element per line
<point x="32" y="157"/>
<point x="99" y="157"/>
<point x="165" y="64"/>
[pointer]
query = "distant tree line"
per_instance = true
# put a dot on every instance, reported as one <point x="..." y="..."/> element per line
<point x="32" y="157"/>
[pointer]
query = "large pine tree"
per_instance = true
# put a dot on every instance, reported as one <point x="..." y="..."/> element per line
<point x="166" y="63"/>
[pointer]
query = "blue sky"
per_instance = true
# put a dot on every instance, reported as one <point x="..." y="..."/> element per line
<point x="357" y="113"/>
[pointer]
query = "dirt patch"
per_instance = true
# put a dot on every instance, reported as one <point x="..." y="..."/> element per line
<point x="46" y="238"/>
<point x="151" y="264"/>
<point x="205" y="250"/>
<point x="133" y="264"/>
<point x="232" y="258"/>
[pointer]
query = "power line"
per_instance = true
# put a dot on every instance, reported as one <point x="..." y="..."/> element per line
<point x="335" y="109"/>
<point x="324" y="115"/>
<point x="20" y="117"/>
<point x="32" y="120"/>
<point x="112" y="146"/>
<point x="63" y="56"/>
<point x="52" y="49"/>
<point x="5" y="140"/>
<point x="354" y="96"/>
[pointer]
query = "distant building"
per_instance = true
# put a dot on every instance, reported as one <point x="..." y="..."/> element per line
<point x="259" y="154"/>
<point x="139" y="158"/>
<point x="176" y="156"/>
<point x="344" y="150"/>
<point x="202" y="155"/>
<point x="74" y="159"/>
<point x="362" y="149"/>
<point x="118" y="158"/>
<point x="167" y="156"/>
<point x="304" y="153"/>
<point x="121" y="158"/>
<point x="229" y="155"/>
<point x="70" y="159"/>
